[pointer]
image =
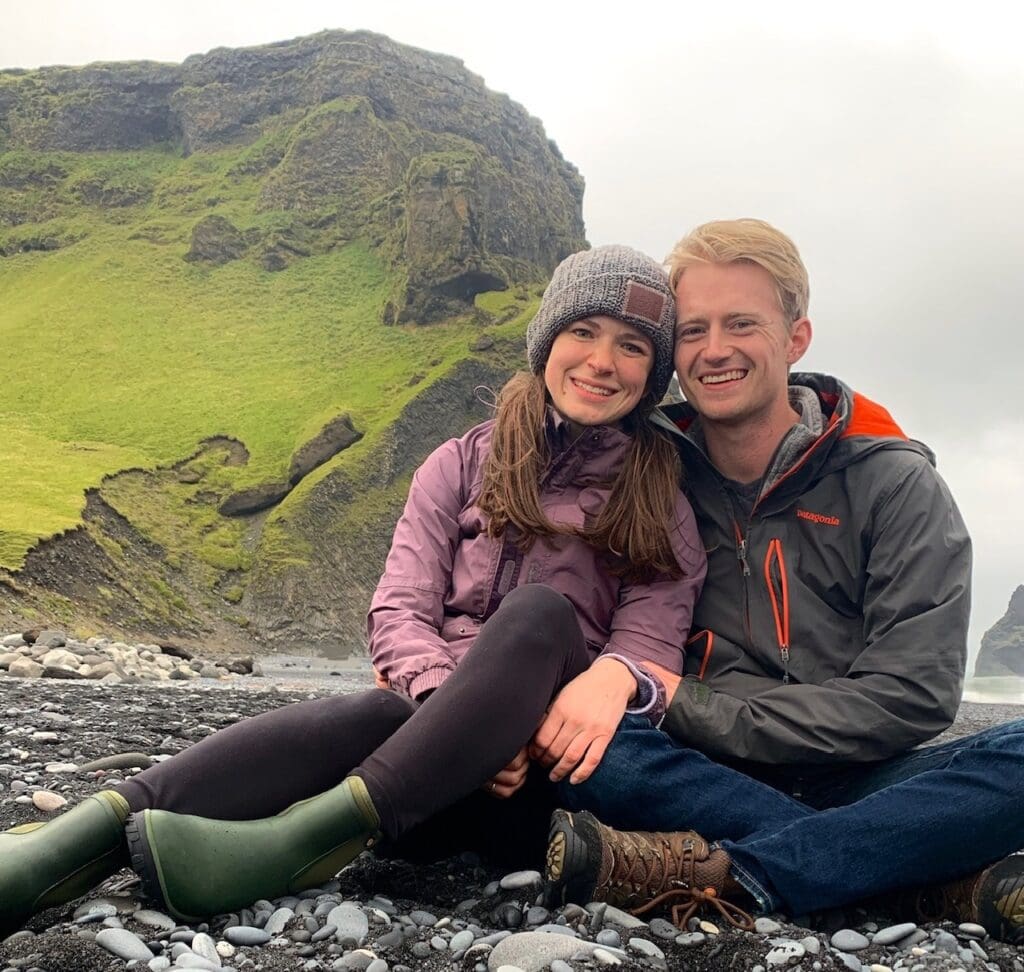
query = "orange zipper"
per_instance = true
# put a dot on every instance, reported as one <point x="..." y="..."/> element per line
<point x="778" y="591"/>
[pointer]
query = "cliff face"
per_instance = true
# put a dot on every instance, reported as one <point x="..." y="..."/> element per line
<point x="220" y="268"/>
<point x="1002" y="646"/>
<point x="456" y="184"/>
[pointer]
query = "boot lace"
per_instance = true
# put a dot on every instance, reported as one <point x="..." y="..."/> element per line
<point x="663" y="868"/>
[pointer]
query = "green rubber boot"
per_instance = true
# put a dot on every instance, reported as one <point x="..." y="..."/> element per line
<point x="46" y="864"/>
<point x="196" y="867"/>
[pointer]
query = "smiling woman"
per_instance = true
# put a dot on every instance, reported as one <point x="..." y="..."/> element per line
<point x="597" y="370"/>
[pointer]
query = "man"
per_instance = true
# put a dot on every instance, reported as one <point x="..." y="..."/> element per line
<point x="830" y="640"/>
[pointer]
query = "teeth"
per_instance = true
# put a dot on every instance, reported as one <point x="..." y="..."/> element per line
<point x="593" y="389"/>
<point x="718" y="379"/>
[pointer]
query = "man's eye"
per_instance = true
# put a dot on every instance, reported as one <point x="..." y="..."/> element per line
<point x="742" y="324"/>
<point x="689" y="333"/>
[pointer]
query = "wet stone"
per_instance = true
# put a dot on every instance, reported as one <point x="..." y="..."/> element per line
<point x="521" y="879"/>
<point x="812" y="945"/>
<point x="350" y="923"/>
<point x="244" y="935"/>
<point x="461" y="940"/>
<point x="278" y="921"/>
<point x="621" y="918"/>
<point x="850" y="961"/>
<point x="123" y="944"/>
<point x="848" y="940"/>
<point x="972" y="930"/>
<point x="537" y="915"/>
<point x="155" y="919"/>
<point x="691" y="938"/>
<point x="206" y="947"/>
<point x="661" y="928"/>
<point x="893" y="933"/>
<point x="646" y="948"/>
<point x="784" y="953"/>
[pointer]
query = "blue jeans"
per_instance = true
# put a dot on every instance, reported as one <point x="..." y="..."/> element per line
<point x="927" y="816"/>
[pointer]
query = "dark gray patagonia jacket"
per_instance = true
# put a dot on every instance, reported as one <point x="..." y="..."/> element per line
<point x="833" y="624"/>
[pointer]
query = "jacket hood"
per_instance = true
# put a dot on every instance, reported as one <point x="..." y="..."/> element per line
<point x="854" y="427"/>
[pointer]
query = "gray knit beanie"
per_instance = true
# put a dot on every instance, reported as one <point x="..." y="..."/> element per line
<point x="614" y="280"/>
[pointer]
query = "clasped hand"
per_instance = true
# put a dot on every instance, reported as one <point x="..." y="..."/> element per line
<point x="576" y="730"/>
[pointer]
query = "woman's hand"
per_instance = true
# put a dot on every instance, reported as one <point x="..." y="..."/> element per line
<point x="380" y="681"/>
<point x="507" y="781"/>
<point x="582" y="719"/>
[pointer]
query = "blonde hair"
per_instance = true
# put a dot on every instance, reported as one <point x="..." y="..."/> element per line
<point x="632" y="529"/>
<point x="750" y="241"/>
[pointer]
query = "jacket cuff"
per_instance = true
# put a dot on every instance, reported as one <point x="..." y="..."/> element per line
<point x="650" y="693"/>
<point x="427" y="681"/>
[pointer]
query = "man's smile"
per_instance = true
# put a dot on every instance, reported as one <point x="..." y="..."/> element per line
<point x="723" y="377"/>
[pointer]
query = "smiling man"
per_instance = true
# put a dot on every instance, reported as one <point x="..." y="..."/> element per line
<point x="829" y="642"/>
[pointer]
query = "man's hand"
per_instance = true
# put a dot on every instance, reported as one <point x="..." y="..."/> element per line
<point x="582" y="719"/>
<point x="380" y="681"/>
<point x="507" y="781"/>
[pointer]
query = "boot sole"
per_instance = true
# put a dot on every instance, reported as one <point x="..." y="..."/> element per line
<point x="573" y="857"/>
<point x="143" y="863"/>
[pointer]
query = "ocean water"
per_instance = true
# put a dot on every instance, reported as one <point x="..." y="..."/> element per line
<point x="1001" y="689"/>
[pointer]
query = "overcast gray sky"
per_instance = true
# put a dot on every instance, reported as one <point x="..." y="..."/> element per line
<point x="886" y="139"/>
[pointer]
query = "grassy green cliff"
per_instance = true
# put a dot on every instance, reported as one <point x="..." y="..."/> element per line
<point x="214" y="281"/>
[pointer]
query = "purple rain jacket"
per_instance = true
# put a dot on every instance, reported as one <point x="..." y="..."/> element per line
<point x="444" y="576"/>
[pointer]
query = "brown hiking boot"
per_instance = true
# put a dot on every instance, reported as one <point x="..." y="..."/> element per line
<point x="993" y="898"/>
<point x="587" y="861"/>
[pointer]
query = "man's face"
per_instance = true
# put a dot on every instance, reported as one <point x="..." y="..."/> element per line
<point x="733" y="345"/>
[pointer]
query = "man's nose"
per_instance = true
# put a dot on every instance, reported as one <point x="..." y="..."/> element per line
<point x="718" y="345"/>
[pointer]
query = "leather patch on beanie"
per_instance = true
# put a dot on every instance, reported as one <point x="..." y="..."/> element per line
<point x="644" y="302"/>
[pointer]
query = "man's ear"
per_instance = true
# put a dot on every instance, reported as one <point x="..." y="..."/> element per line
<point x="799" y="340"/>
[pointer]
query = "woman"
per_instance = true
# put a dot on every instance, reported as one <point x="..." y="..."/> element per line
<point x="541" y="561"/>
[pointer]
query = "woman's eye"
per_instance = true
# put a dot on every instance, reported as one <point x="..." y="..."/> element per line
<point x="632" y="348"/>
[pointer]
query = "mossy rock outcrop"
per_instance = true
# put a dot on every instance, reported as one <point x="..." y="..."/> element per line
<point x="359" y="136"/>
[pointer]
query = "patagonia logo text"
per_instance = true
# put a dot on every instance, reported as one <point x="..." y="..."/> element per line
<point x="818" y="518"/>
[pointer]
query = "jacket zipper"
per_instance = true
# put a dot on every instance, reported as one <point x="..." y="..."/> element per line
<point x="778" y="591"/>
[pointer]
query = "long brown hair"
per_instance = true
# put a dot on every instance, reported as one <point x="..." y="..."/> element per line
<point x="632" y="529"/>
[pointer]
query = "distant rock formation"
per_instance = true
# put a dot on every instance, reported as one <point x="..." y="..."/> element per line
<point x="1002" y="647"/>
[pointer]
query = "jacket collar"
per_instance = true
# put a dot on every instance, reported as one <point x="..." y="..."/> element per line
<point x="837" y="427"/>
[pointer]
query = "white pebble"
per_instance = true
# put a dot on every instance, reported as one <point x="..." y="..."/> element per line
<point x="48" y="801"/>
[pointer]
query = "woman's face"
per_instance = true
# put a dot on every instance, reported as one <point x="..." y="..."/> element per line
<point x="597" y="370"/>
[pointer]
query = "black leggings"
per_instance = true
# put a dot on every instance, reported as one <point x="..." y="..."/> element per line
<point x="415" y="760"/>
